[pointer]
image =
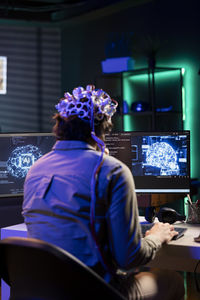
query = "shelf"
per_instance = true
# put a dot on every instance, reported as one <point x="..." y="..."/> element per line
<point x="154" y="88"/>
<point x="145" y="113"/>
<point x="168" y="113"/>
<point x="147" y="71"/>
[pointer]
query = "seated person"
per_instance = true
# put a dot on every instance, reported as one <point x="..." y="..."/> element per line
<point x="83" y="200"/>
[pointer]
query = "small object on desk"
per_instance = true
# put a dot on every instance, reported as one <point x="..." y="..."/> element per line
<point x="189" y="199"/>
<point x="197" y="239"/>
<point x="180" y="230"/>
<point x="169" y="215"/>
<point x="198" y="203"/>
<point x="165" y="215"/>
<point x="193" y="213"/>
<point x="193" y="216"/>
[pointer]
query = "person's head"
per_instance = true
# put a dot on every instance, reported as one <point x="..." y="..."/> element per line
<point x="85" y="111"/>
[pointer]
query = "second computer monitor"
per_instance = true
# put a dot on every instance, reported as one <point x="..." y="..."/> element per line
<point x="159" y="161"/>
<point x="18" y="152"/>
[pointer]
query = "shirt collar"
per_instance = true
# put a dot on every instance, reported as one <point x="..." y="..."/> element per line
<point x="67" y="145"/>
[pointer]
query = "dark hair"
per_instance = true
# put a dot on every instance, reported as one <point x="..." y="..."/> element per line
<point x="74" y="128"/>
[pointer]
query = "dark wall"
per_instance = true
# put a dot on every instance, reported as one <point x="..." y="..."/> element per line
<point x="33" y="77"/>
<point x="33" y="87"/>
<point x="170" y="27"/>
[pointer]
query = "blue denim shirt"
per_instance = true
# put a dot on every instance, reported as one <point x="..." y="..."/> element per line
<point x="56" y="207"/>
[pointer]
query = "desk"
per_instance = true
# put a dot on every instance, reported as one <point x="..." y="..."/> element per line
<point x="179" y="255"/>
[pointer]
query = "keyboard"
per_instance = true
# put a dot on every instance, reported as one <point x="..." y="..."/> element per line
<point x="180" y="230"/>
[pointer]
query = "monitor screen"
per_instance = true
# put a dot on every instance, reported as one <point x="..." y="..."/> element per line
<point x="18" y="152"/>
<point x="159" y="161"/>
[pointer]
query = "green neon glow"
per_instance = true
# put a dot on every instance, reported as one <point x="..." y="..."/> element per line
<point x="189" y="122"/>
<point x="158" y="75"/>
<point x="185" y="206"/>
<point x="182" y="71"/>
<point x="190" y="108"/>
<point x="183" y="104"/>
<point x="128" y="82"/>
<point x="128" y="91"/>
<point x="183" y="98"/>
<point x="189" y="97"/>
<point x="128" y="96"/>
<point x="128" y="123"/>
<point x="138" y="77"/>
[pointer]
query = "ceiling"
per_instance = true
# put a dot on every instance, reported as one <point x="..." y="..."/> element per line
<point x="58" y="10"/>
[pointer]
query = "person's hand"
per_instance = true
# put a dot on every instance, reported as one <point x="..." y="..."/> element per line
<point x="106" y="151"/>
<point x="164" y="231"/>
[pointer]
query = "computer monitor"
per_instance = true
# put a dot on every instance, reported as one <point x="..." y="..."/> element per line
<point x="18" y="152"/>
<point x="159" y="161"/>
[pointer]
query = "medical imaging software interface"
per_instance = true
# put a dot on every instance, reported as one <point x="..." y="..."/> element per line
<point x="159" y="162"/>
<point x="18" y="152"/>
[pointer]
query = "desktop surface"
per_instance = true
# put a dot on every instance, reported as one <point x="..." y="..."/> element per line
<point x="187" y="241"/>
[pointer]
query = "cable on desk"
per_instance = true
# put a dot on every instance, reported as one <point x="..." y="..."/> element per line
<point x="195" y="277"/>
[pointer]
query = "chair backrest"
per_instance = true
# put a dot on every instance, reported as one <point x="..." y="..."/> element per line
<point x="38" y="270"/>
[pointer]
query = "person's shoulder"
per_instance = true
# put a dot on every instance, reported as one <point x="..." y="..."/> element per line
<point x="40" y="164"/>
<point x="114" y="168"/>
<point x="113" y="162"/>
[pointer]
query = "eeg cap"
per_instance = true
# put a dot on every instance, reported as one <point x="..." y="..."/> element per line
<point x="90" y="104"/>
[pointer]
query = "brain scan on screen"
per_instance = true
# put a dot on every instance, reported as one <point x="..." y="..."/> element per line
<point x="163" y="156"/>
<point x="21" y="159"/>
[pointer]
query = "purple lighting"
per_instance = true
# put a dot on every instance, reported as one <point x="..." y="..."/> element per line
<point x="117" y="64"/>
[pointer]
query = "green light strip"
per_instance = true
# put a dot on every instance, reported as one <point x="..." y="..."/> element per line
<point x="128" y="125"/>
<point x="190" y="106"/>
<point x="183" y="104"/>
<point x="185" y="206"/>
<point x="158" y="75"/>
<point x="182" y="71"/>
<point x="183" y="98"/>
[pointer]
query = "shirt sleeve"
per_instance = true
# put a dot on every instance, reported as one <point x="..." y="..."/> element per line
<point x="128" y="247"/>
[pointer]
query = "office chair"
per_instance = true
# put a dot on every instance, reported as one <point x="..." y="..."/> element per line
<point x="36" y="270"/>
